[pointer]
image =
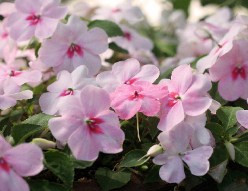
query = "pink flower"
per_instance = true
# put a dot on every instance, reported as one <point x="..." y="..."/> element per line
<point x="20" y="77"/>
<point x="14" y="165"/>
<point x="87" y="125"/>
<point x="67" y="84"/>
<point x="8" y="46"/>
<point x="124" y="11"/>
<point x="141" y="96"/>
<point x="176" y="145"/>
<point x="39" y="19"/>
<point x="10" y="92"/>
<point x="73" y="45"/>
<point x="242" y="118"/>
<point x="187" y="96"/>
<point x="126" y="72"/>
<point x="231" y="70"/>
<point x="132" y="40"/>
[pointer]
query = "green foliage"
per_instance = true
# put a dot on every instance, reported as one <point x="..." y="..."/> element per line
<point x="182" y="5"/>
<point x="111" y="28"/>
<point x="61" y="165"/>
<point x="109" y="180"/>
<point x="133" y="159"/>
<point x="43" y="185"/>
<point x="241" y="153"/>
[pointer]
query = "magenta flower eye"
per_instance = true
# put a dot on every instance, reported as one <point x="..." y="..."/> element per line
<point x="4" y="165"/>
<point x="33" y="19"/>
<point x="74" y="50"/>
<point x="239" y="71"/>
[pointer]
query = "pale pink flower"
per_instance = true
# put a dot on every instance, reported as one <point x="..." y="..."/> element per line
<point x="126" y="72"/>
<point x="67" y="84"/>
<point x="141" y="96"/>
<point x="7" y="8"/>
<point x="8" y="46"/>
<point x="20" y="77"/>
<point x="242" y="118"/>
<point x="223" y="46"/>
<point x="187" y="96"/>
<point x="124" y="11"/>
<point x="10" y="92"/>
<point x="176" y="144"/>
<point x="132" y="40"/>
<point x="73" y="45"/>
<point x="39" y="19"/>
<point x="87" y="125"/>
<point x="231" y="70"/>
<point x="16" y="162"/>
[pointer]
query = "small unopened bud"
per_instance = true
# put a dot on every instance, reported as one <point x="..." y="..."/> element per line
<point x="44" y="144"/>
<point x="231" y="150"/>
<point x="154" y="151"/>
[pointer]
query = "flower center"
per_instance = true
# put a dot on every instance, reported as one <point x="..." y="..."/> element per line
<point x="93" y="125"/>
<point x="128" y="36"/>
<point x="4" y="35"/>
<point x="13" y="73"/>
<point x="67" y="92"/>
<point x="173" y="99"/>
<point x="4" y="165"/>
<point x="239" y="71"/>
<point x="116" y="10"/>
<point x="131" y="81"/>
<point x="33" y="19"/>
<point x="136" y="95"/>
<point x="74" y="49"/>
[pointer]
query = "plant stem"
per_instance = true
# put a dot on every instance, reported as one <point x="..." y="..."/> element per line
<point x="137" y="125"/>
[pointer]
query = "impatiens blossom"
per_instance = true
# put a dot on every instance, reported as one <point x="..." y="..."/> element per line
<point x="73" y="45"/>
<point x="176" y="144"/>
<point x="20" y="77"/>
<point x="187" y="97"/>
<point x="87" y="125"/>
<point x="231" y="70"/>
<point x="141" y="96"/>
<point x="10" y="92"/>
<point x="126" y="72"/>
<point x="39" y="19"/>
<point x="16" y="162"/>
<point x="132" y="40"/>
<point x="118" y="13"/>
<point x="242" y="118"/>
<point x="67" y="84"/>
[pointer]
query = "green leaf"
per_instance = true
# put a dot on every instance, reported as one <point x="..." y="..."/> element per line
<point x="116" y="48"/>
<point x="227" y="115"/>
<point x="109" y="180"/>
<point x="220" y="155"/>
<point x="153" y="175"/>
<point x="79" y="164"/>
<point x="132" y="159"/>
<point x="111" y="28"/>
<point x="183" y="5"/>
<point x="216" y="129"/>
<point x="44" y="185"/>
<point x="40" y="119"/>
<point x="21" y="132"/>
<point x="241" y="153"/>
<point x="61" y="165"/>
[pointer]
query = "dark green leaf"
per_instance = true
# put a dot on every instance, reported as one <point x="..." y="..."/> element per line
<point x="44" y="185"/>
<point x="61" y="165"/>
<point x="153" y="175"/>
<point x="132" y="159"/>
<point x="116" y="48"/>
<point x="109" y="180"/>
<point x="79" y="164"/>
<point x="216" y="129"/>
<point x="241" y="153"/>
<point x="40" y="119"/>
<point x="111" y="28"/>
<point x="227" y="115"/>
<point x="220" y="155"/>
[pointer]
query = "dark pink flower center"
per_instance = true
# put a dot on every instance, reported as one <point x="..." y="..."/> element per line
<point x="4" y="35"/>
<point x="136" y="95"/>
<point x="173" y="99"/>
<point x="67" y="92"/>
<point x="128" y="36"/>
<point x="14" y="73"/>
<point x="33" y="19"/>
<point x="239" y="71"/>
<point x="131" y="81"/>
<point x="93" y="125"/>
<point x="116" y="10"/>
<point x="74" y="49"/>
<point x="4" y="165"/>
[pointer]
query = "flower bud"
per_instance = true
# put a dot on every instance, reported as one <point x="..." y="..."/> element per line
<point x="43" y="143"/>
<point x="154" y="151"/>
